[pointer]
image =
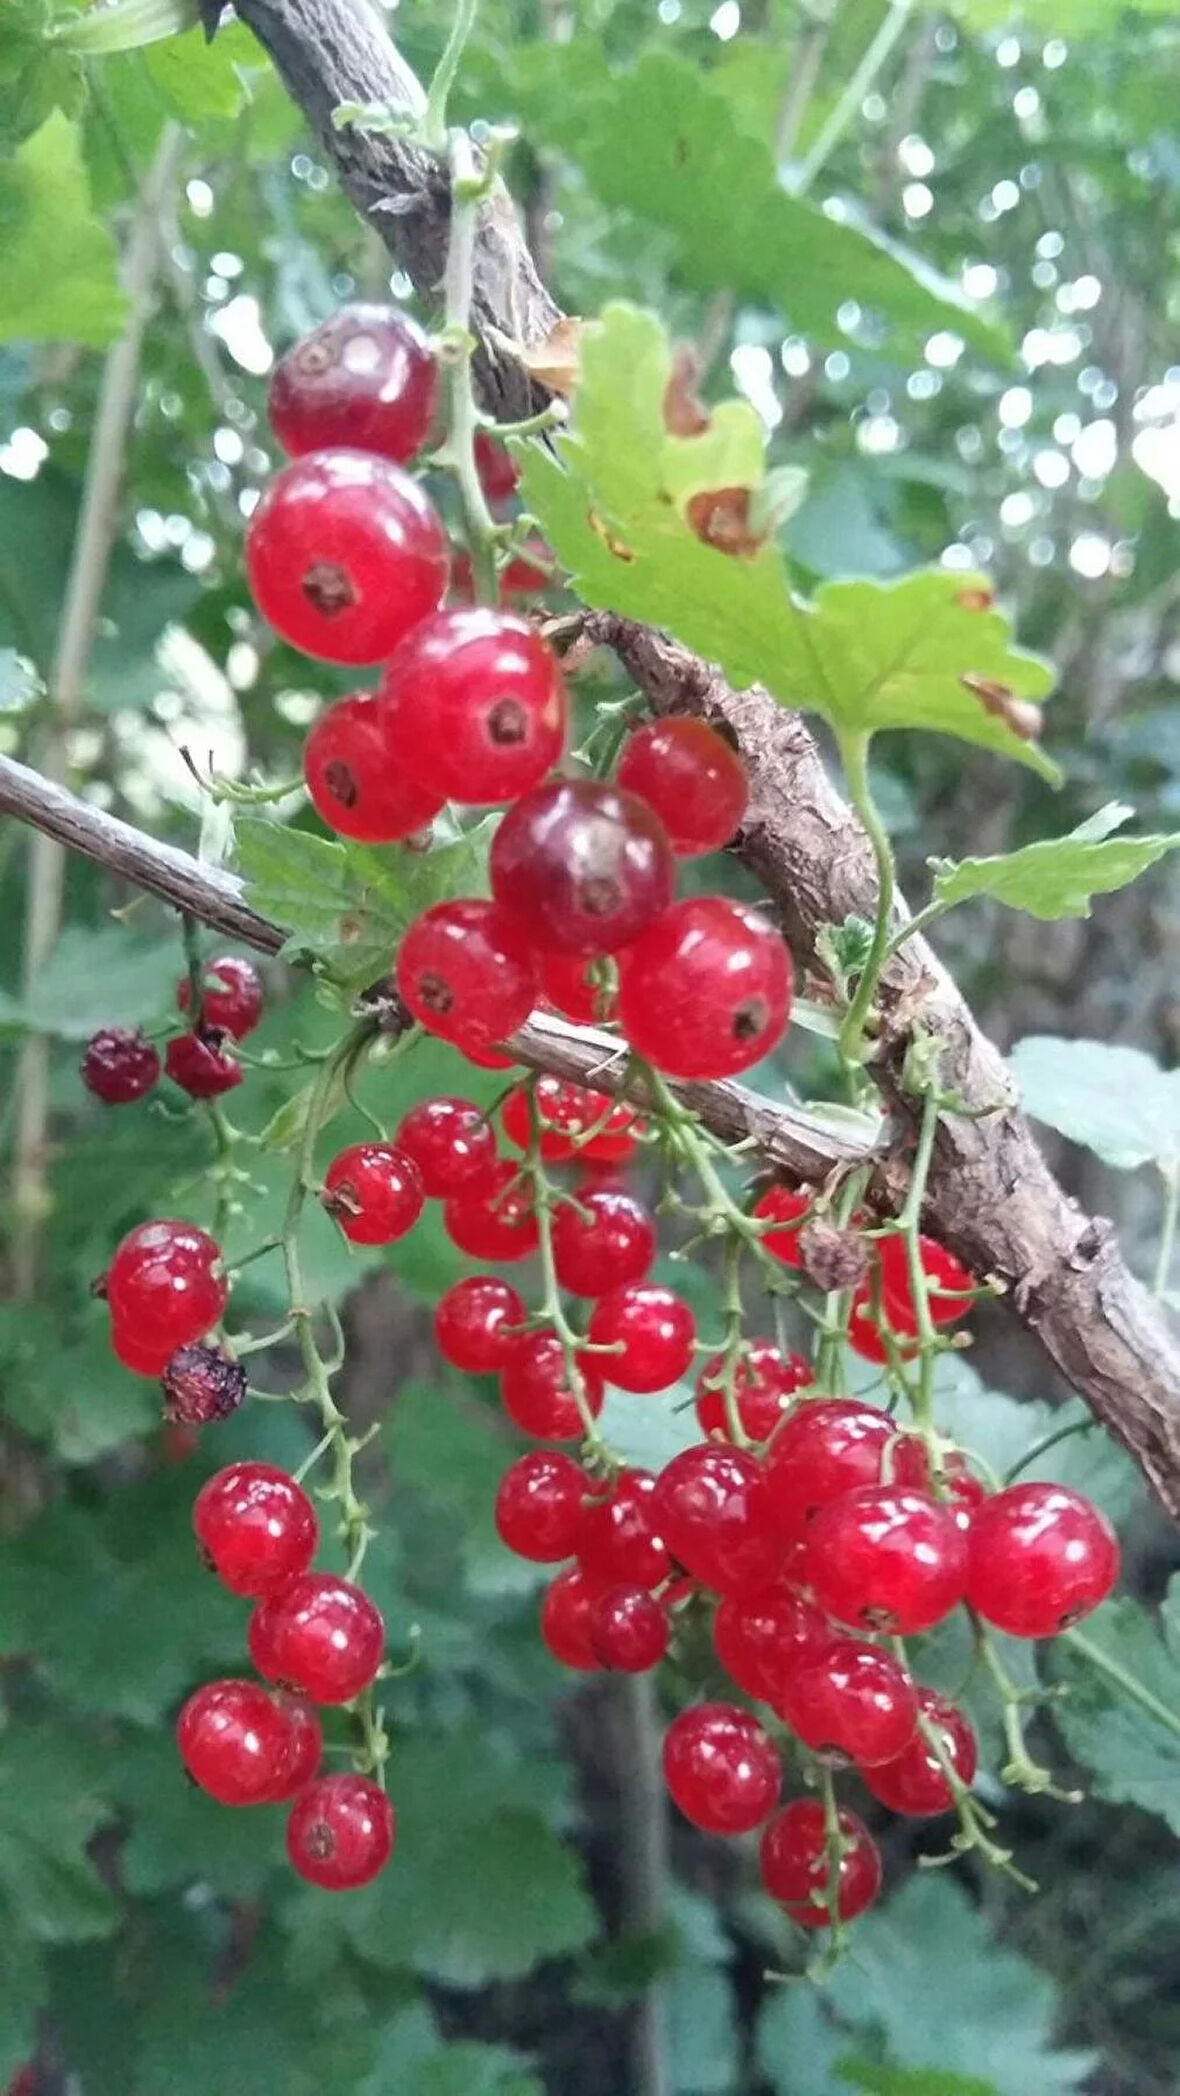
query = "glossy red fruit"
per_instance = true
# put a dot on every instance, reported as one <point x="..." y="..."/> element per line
<point x="883" y="1558"/>
<point x="602" y="1239"/>
<point x="569" y="988"/>
<point x="691" y="776"/>
<point x="796" y="1867"/>
<point x="628" y="1629"/>
<point x="565" y="1620"/>
<point x="1040" y="1557"/>
<point x="201" y="1384"/>
<point x="320" y="1635"/>
<point x="365" y="377"/>
<point x="478" y="704"/>
<point x="539" y="1506"/>
<point x="119" y="1066"/>
<point x="476" y="1324"/>
<point x="916" y="1783"/>
<point x="140" y="1359"/>
<point x="452" y="1144"/>
<point x="466" y="972"/>
<point x="496" y="467"/>
<point x="201" y="1065"/>
<point x="487" y="1058"/>
<point x="712" y="1512"/>
<point x="345" y="554"/>
<point x="496" y="1221"/>
<point x="828" y="1447"/>
<point x="234" y="1739"/>
<point x="355" y="773"/>
<point x="786" y="1212"/>
<point x="583" y="866"/>
<point x="705" y="991"/>
<point x="256" y="1527"/>
<point x="946" y="1279"/>
<point x="764" y="1384"/>
<point x="850" y="1702"/>
<point x="374" y="1192"/>
<point x="165" y="1287"/>
<point x="868" y="1323"/>
<point x="567" y="1112"/>
<point x="231" y="995"/>
<point x="305" y="1746"/>
<point x="619" y="1539"/>
<point x="721" y="1768"/>
<point x="535" y="1388"/>
<point x="760" y="1637"/>
<point x="654" y="1331"/>
<point x="340" y="1832"/>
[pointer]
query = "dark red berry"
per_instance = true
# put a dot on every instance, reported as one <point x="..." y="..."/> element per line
<point x="452" y="1144"/>
<point x="119" y="1066"/>
<point x="340" y="1832"/>
<point x="764" y="1384"/>
<point x="320" y="1635"/>
<point x="619" y="1540"/>
<point x="705" y="991"/>
<point x="256" y="1527"/>
<point x="691" y="776"/>
<point x="497" y="1221"/>
<point x="305" y="1746"/>
<point x="486" y="1058"/>
<point x="916" y="1783"/>
<point x="565" y="1620"/>
<point x="478" y="704"/>
<point x="231" y="995"/>
<point x="539" y="1506"/>
<point x="345" y="554"/>
<point x="234" y="1739"/>
<point x="130" y="1350"/>
<point x="797" y="1867"/>
<point x="869" y="1323"/>
<point x="603" y="1238"/>
<point x="570" y="989"/>
<point x="628" y="1629"/>
<point x="1040" y="1557"/>
<point x="654" y="1331"/>
<point x="536" y="1392"/>
<point x="364" y="377"/>
<point x="374" y="1192"/>
<point x="583" y="866"/>
<point x="761" y="1636"/>
<point x="496" y="467"/>
<point x="946" y="1280"/>
<point x="567" y="1113"/>
<point x="356" y="775"/>
<point x="828" y="1447"/>
<point x="882" y="1558"/>
<point x="475" y="1324"/>
<point x="202" y="1384"/>
<point x="850" y="1702"/>
<point x="712" y="1512"/>
<point x="165" y="1287"/>
<point x="201" y="1065"/>
<point x="721" y="1768"/>
<point x="786" y="1212"/>
<point x="466" y="972"/>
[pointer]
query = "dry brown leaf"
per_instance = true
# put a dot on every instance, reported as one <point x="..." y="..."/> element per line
<point x="557" y="361"/>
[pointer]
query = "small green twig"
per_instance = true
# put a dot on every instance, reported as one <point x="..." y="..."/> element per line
<point x="854" y="750"/>
<point x="1163" y="1264"/>
<point x="434" y="122"/>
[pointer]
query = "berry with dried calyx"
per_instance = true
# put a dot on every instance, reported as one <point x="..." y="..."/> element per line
<point x="466" y="972"/>
<point x="340" y="1832"/>
<point x="365" y="377"/>
<point x="119" y="1066"/>
<point x="374" y="1192"/>
<point x="202" y="1384"/>
<point x="582" y="866"/>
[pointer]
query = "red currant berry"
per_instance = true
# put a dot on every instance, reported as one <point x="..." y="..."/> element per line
<point x="233" y="1740"/>
<point x="364" y="377"/>
<point x="497" y="1220"/>
<point x="496" y="467"/>
<point x="603" y="1239"/>
<point x="165" y="1286"/>
<point x="466" y="972"/>
<point x="583" y="866"/>
<point x="1040" y="1557"/>
<point x="871" y="1329"/>
<point x="201" y="1065"/>
<point x="535" y="1388"/>
<point x="570" y="988"/>
<point x="201" y="1384"/>
<point x="486" y="1058"/>
<point x="796" y="1866"/>
<point x="690" y="775"/>
<point x="567" y="1112"/>
<point x="374" y="1192"/>
<point x="885" y="1559"/>
<point x="319" y="1635"/>
<point x="705" y="991"/>
<point x="850" y="1702"/>
<point x="628" y="1629"/>
<point x="760" y="1637"/>
<point x="231" y="995"/>
<point x="786" y="1212"/>
<point x="140" y="1359"/>
<point x="452" y="1144"/>
<point x="256" y="1527"/>
<point x="916" y="1783"/>
<point x="619" y="1542"/>
<point x="356" y="775"/>
<point x="946" y="1279"/>
<point x="475" y="1324"/>
<point x="305" y="1746"/>
<point x="565" y="1620"/>
<point x="119" y="1066"/>
<point x="721" y="1768"/>
<point x="345" y="554"/>
<point x="478" y="704"/>
<point x="340" y="1832"/>
<point x="764" y="1384"/>
<point x="828" y="1447"/>
<point x="539" y="1506"/>
<point x="712" y="1512"/>
<point x="654" y="1330"/>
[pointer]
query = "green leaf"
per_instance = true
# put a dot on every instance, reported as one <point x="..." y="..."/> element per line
<point x="1059" y="876"/>
<point x="702" y="2031"/>
<point x="911" y="2081"/>
<point x="413" y="2060"/>
<point x="67" y="1388"/>
<point x="798" y="2045"/>
<point x="1001" y="1428"/>
<point x="36" y="76"/>
<point x="199" y="80"/>
<point x="45" y="219"/>
<point x="446" y="1446"/>
<point x="50" y="1807"/>
<point x="1115" y="1100"/>
<point x="104" y="977"/>
<point x="1071" y="17"/>
<point x="1133" y="1755"/>
<point x="866" y="655"/>
<point x="179" y="1835"/>
<point x="23" y="1989"/>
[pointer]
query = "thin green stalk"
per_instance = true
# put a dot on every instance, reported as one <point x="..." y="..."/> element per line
<point x="468" y="188"/>
<point x="1128" y="1684"/>
<point x="855" y="753"/>
<point x="910" y="1222"/>
<point x="1163" y="1264"/>
<point x="1046" y="1442"/>
<point x="843" y="114"/>
<point x="552" y="1308"/>
<point x="434" y="122"/>
<point x="914" y="925"/>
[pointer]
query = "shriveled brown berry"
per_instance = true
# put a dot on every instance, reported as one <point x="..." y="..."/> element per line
<point x="200" y="1384"/>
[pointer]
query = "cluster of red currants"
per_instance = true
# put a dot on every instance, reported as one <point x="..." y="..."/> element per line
<point x="121" y="1065"/>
